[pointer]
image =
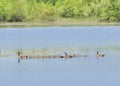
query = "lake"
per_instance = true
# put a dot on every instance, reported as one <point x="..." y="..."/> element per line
<point x="81" y="71"/>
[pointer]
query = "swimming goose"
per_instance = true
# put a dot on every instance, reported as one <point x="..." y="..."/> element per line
<point x="68" y="56"/>
<point x="100" y="55"/>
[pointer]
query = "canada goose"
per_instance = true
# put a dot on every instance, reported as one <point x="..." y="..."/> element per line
<point x="68" y="56"/>
<point x="20" y="56"/>
<point x="61" y="56"/>
<point x="19" y="53"/>
<point x="100" y="55"/>
<point x="24" y="57"/>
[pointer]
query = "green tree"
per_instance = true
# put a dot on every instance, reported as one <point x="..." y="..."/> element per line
<point x="19" y="12"/>
<point x="5" y="10"/>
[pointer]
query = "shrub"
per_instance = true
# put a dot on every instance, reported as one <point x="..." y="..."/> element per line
<point x="48" y="15"/>
<point x="67" y="9"/>
<point x="19" y="12"/>
<point x="5" y="10"/>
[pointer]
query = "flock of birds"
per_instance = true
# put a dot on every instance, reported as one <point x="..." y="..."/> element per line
<point x="66" y="55"/>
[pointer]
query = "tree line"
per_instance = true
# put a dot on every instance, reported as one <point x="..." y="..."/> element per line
<point x="52" y="10"/>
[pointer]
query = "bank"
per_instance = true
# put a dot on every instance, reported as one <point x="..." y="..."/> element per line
<point x="62" y="22"/>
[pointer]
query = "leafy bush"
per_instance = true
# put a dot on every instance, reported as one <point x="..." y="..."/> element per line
<point x="19" y="11"/>
<point x="5" y="10"/>
<point x="67" y="10"/>
<point x="48" y="15"/>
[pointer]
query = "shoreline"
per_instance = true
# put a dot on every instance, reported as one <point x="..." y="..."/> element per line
<point x="59" y="23"/>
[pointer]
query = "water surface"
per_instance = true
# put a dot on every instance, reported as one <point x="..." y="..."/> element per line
<point x="61" y="72"/>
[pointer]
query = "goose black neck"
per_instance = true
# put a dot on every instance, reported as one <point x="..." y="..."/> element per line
<point x="97" y="52"/>
<point x="65" y="53"/>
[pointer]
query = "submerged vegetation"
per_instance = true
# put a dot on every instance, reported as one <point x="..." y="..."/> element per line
<point x="53" y="10"/>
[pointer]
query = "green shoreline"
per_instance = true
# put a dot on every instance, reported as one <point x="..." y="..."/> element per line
<point x="60" y="23"/>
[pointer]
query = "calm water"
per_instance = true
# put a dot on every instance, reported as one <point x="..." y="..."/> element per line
<point x="61" y="72"/>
